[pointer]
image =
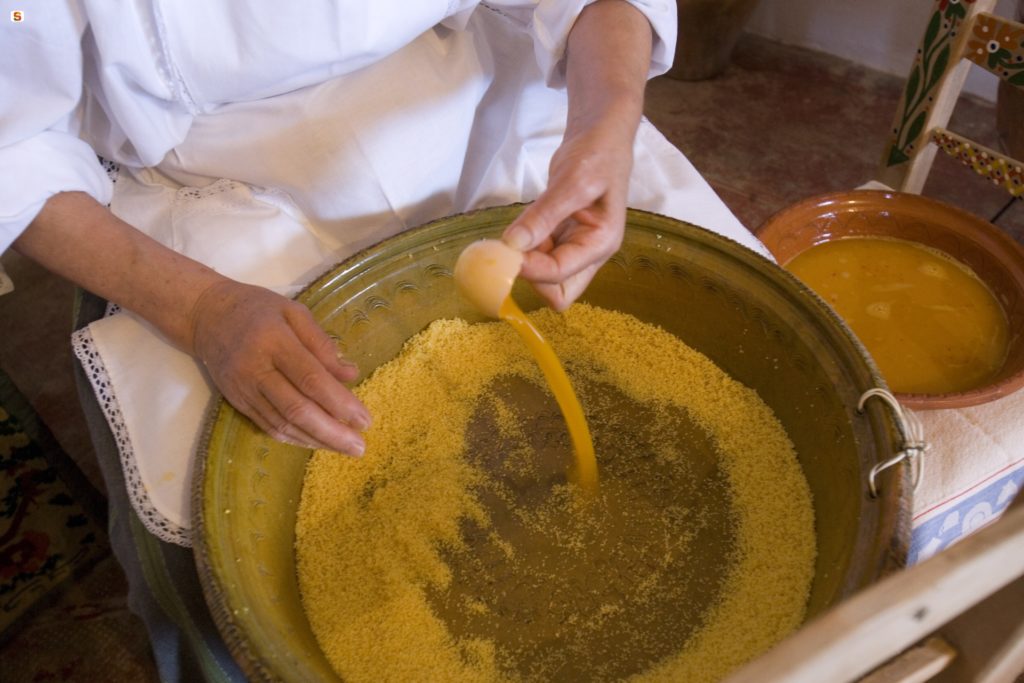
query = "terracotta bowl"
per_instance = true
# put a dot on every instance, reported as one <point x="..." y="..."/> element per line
<point x="992" y="254"/>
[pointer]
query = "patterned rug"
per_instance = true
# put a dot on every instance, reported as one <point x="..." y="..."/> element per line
<point x="51" y="521"/>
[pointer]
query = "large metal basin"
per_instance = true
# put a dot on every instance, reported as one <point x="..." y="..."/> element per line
<point x="707" y="290"/>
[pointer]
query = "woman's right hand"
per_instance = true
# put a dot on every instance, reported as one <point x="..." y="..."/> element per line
<point x="273" y="363"/>
<point x="264" y="352"/>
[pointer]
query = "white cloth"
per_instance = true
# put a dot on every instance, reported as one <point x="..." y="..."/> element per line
<point x="968" y="446"/>
<point x="971" y="449"/>
<point x="272" y="142"/>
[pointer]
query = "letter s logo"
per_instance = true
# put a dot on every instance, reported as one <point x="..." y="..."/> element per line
<point x="17" y="16"/>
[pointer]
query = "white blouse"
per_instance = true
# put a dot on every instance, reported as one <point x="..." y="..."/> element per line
<point x="128" y="80"/>
<point x="271" y="140"/>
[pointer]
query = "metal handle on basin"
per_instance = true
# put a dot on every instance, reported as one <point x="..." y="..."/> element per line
<point x="914" y="447"/>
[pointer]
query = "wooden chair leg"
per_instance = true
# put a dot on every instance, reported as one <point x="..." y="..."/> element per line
<point x="916" y="665"/>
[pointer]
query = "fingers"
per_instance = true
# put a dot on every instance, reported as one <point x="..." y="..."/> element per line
<point x="305" y="389"/>
<point x="287" y="375"/>
<point x="266" y="417"/>
<point x="541" y="218"/>
<point x="310" y="380"/>
<point x="561" y="295"/>
<point x="293" y="416"/>
<point x="575" y="247"/>
<point x="320" y="344"/>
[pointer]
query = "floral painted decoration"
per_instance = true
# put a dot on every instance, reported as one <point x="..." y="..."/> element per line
<point x="1001" y="170"/>
<point x="997" y="44"/>
<point x="930" y="65"/>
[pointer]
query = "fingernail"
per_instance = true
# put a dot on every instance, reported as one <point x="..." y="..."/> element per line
<point x="357" y="449"/>
<point x="360" y="422"/>
<point x="298" y="444"/>
<point x="518" y="238"/>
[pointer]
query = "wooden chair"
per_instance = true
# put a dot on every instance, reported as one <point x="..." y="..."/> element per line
<point x="960" y="34"/>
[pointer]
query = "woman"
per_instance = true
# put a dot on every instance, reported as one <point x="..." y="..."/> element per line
<point x="259" y="145"/>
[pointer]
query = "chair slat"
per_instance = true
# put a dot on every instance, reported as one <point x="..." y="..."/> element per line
<point x="1002" y="170"/>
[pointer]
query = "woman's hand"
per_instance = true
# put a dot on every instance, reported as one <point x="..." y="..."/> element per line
<point x="274" y="364"/>
<point x="264" y="352"/>
<point x="577" y="223"/>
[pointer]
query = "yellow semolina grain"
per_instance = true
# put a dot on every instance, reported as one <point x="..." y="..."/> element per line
<point x="456" y="550"/>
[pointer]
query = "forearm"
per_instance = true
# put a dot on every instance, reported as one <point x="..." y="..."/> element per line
<point x="81" y="240"/>
<point x="607" y="62"/>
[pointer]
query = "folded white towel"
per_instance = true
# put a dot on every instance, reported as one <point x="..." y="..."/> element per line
<point x="974" y="468"/>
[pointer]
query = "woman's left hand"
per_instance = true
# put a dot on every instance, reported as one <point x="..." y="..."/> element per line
<point x="577" y="223"/>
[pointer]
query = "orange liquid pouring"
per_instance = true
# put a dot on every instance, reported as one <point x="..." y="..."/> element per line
<point x="579" y="432"/>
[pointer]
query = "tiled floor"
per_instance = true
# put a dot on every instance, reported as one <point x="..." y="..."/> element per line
<point x="779" y="125"/>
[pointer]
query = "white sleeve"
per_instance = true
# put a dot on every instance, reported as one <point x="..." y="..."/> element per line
<point x="662" y="15"/>
<point x="40" y="88"/>
<point x="550" y="21"/>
